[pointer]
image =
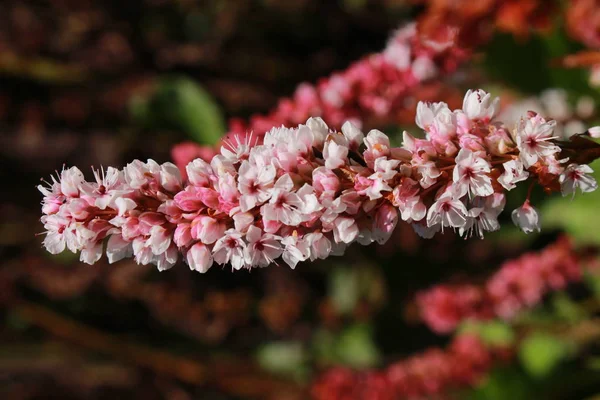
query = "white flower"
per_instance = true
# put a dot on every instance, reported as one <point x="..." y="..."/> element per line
<point x="483" y="217"/>
<point x="448" y="212"/>
<point x="230" y="249"/>
<point x="70" y="181"/>
<point x="284" y="204"/>
<point x="319" y="129"/>
<point x="345" y="230"/>
<point x="397" y="54"/>
<point x="424" y="68"/>
<point x="320" y="245"/>
<point x="471" y="175"/>
<point x="533" y="137"/>
<point x="594" y="132"/>
<point x="118" y="248"/>
<point x="385" y="169"/>
<point x="526" y="217"/>
<point x="335" y="155"/>
<point x="577" y="176"/>
<point x="513" y="173"/>
<point x="478" y="104"/>
<point x="296" y="249"/>
<point x="427" y="112"/>
<point x="199" y="258"/>
<point x="353" y="135"/>
<point x="378" y="145"/>
<point x="91" y="253"/>
<point x="170" y="177"/>
<point x="254" y="184"/>
<point x="429" y="174"/>
<point x="262" y="250"/>
<point x="199" y="172"/>
<point x="556" y="104"/>
<point x="138" y="173"/>
<point x="109" y="186"/>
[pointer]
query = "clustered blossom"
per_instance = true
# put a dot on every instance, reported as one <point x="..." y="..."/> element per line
<point x="518" y="284"/>
<point x="308" y="192"/>
<point x="373" y="88"/>
<point x="427" y="375"/>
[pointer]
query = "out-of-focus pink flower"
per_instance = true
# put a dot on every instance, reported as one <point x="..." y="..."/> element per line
<point x="518" y="284"/>
<point x="186" y="152"/>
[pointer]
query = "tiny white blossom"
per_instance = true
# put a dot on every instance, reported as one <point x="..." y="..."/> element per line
<point x="577" y="176"/>
<point x="526" y="217"/>
<point x="513" y="173"/>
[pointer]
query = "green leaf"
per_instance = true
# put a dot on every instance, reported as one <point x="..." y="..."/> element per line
<point x="567" y="309"/>
<point x="494" y="333"/>
<point x="180" y="103"/>
<point x="344" y="289"/>
<point x="592" y="279"/>
<point x="577" y="216"/>
<point x="506" y="383"/>
<point x="355" y="347"/>
<point x="541" y="353"/>
<point x="284" y="358"/>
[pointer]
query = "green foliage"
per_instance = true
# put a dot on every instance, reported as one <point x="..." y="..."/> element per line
<point x="592" y="279"/>
<point x="566" y="309"/>
<point x="528" y="66"/>
<point x="284" y="358"/>
<point x="502" y="384"/>
<point x="347" y="286"/>
<point x="575" y="215"/>
<point x="541" y="353"/>
<point x="354" y="347"/>
<point x="494" y="333"/>
<point x="343" y="289"/>
<point x="180" y="103"/>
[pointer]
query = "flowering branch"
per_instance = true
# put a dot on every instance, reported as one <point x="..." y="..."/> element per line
<point x="308" y="192"/>
<point x="434" y="372"/>
<point x="518" y="284"/>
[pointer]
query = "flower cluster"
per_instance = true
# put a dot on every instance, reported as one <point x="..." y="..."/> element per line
<point x="373" y="88"/>
<point x="518" y="284"/>
<point x="308" y="192"/>
<point x="432" y="373"/>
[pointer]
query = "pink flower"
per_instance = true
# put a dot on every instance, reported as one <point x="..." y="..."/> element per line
<point x="206" y="229"/>
<point x="301" y="194"/>
<point x="386" y="219"/>
<point x="325" y="181"/>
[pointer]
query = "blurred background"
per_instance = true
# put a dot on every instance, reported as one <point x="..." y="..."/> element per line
<point x="92" y="82"/>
